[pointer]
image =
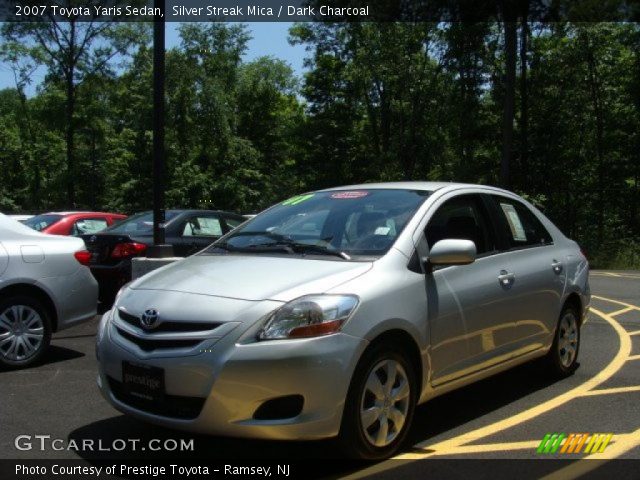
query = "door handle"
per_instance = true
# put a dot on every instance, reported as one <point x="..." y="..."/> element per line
<point x="506" y="279"/>
<point x="556" y="266"/>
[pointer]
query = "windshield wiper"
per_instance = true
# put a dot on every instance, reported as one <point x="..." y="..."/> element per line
<point x="258" y="248"/>
<point x="282" y="244"/>
<point x="321" y="249"/>
<point x="263" y="233"/>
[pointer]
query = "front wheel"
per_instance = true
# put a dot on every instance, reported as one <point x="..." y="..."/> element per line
<point x="562" y="358"/>
<point x="25" y="331"/>
<point x="380" y="404"/>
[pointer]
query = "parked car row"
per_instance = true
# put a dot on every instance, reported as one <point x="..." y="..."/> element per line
<point x="50" y="281"/>
<point x="114" y="239"/>
<point x="331" y="314"/>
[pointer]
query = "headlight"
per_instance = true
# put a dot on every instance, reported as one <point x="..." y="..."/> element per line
<point x="309" y="316"/>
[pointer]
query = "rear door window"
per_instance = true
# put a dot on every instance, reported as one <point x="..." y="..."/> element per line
<point x="88" y="226"/>
<point x="40" y="222"/>
<point x="201" y="226"/>
<point x="519" y="225"/>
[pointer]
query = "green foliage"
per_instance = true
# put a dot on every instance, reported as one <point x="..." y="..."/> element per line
<point x="378" y="102"/>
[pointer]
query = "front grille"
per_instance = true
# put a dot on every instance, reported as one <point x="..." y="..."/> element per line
<point x="151" y="344"/>
<point x="169" y="326"/>
<point x="174" y="406"/>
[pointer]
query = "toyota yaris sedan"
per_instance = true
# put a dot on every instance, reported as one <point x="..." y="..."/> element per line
<point x="336" y="312"/>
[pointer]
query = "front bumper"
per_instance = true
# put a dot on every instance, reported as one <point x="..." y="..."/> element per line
<point x="222" y="387"/>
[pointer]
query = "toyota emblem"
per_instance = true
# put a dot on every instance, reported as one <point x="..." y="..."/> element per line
<point x="149" y="319"/>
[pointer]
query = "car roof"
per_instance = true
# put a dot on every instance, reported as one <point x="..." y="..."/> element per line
<point x="411" y="185"/>
<point x="198" y="210"/>
<point x="80" y="213"/>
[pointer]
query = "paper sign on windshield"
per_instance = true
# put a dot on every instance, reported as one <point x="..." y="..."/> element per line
<point x="348" y="195"/>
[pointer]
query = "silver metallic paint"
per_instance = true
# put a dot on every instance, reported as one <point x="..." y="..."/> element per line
<point x="465" y="321"/>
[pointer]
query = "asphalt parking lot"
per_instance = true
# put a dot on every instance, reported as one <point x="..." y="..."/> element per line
<point x="504" y="417"/>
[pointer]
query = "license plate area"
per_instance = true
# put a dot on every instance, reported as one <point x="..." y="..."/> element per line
<point x="143" y="381"/>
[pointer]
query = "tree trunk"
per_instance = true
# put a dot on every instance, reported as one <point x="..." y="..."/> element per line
<point x="510" y="47"/>
<point x="71" y="100"/>
<point x="524" y="94"/>
<point x="594" y="84"/>
<point x="34" y="159"/>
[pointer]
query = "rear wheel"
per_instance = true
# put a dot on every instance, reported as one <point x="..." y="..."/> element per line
<point x="380" y="404"/>
<point x="562" y="359"/>
<point x="25" y="331"/>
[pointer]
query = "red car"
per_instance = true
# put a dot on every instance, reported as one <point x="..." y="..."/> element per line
<point x="73" y="223"/>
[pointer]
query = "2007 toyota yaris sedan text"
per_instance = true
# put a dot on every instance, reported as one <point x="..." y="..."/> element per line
<point x="334" y="313"/>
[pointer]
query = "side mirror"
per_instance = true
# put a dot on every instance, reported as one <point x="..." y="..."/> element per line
<point x="451" y="251"/>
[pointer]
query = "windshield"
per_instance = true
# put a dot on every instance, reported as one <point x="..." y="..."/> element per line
<point x="138" y="224"/>
<point x="40" y="222"/>
<point x="362" y="222"/>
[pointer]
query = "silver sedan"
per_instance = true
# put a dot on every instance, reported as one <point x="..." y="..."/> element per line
<point x="45" y="286"/>
<point x="334" y="313"/>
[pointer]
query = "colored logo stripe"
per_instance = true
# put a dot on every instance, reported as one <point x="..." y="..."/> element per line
<point x="598" y="442"/>
<point x="550" y="443"/>
<point x="574" y="442"/>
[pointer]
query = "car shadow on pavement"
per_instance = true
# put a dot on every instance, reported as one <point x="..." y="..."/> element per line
<point x="435" y="417"/>
<point x="105" y="432"/>
<point x="471" y="402"/>
<point x="208" y="450"/>
<point x="55" y="354"/>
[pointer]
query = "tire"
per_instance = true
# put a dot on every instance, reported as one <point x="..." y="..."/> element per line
<point x="362" y="407"/>
<point x="25" y="331"/>
<point x="562" y="359"/>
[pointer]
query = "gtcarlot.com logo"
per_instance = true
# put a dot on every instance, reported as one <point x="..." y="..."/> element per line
<point x="586" y="443"/>
<point x="47" y="442"/>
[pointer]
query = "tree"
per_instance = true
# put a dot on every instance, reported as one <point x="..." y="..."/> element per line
<point x="73" y="51"/>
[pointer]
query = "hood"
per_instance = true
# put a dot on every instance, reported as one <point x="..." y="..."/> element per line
<point x="251" y="277"/>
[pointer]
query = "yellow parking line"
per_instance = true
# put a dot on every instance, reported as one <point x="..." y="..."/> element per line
<point x="609" y="391"/>
<point x="634" y="357"/>
<point x="448" y="446"/>
<point x="637" y="332"/>
<point x="621" y="311"/>
<point x="606" y="373"/>
<point x="623" y="443"/>
<point x="617" y="275"/>
<point x="632" y="307"/>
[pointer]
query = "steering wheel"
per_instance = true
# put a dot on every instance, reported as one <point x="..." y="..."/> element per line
<point x="373" y="242"/>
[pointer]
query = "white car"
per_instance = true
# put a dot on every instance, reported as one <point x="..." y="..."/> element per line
<point x="20" y="218"/>
<point x="45" y="286"/>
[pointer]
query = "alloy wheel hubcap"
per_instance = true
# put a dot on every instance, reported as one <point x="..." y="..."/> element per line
<point x="21" y="333"/>
<point x="385" y="403"/>
<point x="568" y="341"/>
